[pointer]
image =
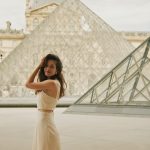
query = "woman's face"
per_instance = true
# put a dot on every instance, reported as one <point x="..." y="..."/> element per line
<point x="50" y="68"/>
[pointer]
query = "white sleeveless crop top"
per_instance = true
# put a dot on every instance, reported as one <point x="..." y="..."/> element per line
<point x="47" y="102"/>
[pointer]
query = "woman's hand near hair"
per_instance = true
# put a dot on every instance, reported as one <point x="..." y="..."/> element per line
<point x="42" y="62"/>
<point x="34" y="73"/>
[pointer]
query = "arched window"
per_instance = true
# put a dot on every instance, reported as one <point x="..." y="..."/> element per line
<point x="35" y="22"/>
<point x="1" y="54"/>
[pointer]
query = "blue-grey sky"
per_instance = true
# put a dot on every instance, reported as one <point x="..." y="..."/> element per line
<point x="127" y="15"/>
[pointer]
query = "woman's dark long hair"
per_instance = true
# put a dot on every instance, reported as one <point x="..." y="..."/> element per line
<point x="59" y="76"/>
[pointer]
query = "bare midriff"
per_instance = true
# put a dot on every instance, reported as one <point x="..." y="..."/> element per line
<point x="45" y="110"/>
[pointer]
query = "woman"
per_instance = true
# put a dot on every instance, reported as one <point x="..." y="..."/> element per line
<point x="49" y="88"/>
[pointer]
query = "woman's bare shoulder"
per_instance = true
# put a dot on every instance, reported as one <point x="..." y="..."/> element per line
<point x="57" y="82"/>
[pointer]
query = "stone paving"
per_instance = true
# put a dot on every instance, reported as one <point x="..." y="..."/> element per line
<point x="77" y="131"/>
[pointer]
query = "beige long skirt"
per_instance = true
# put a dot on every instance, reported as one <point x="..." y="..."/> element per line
<point x="45" y="135"/>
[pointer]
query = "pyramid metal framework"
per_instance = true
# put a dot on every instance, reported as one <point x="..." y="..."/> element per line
<point x="128" y="84"/>
<point x="86" y="45"/>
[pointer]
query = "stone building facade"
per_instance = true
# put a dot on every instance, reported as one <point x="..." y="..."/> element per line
<point x="9" y="39"/>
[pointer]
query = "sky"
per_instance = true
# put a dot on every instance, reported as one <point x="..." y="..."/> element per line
<point x="122" y="15"/>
